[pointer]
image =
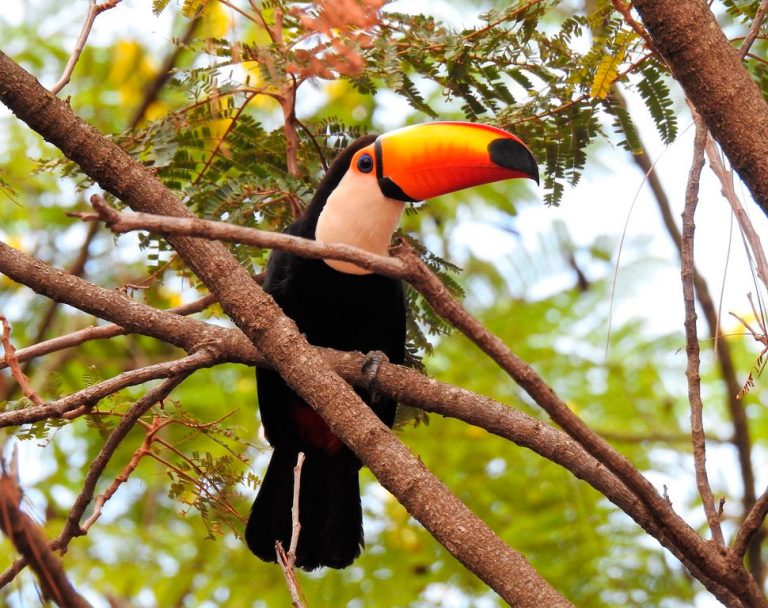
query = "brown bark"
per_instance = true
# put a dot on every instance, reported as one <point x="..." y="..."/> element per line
<point x="254" y="312"/>
<point x="402" y="384"/>
<point x="741" y="439"/>
<point x="711" y="73"/>
<point x="674" y="533"/>
<point x="408" y="267"/>
<point x="30" y="542"/>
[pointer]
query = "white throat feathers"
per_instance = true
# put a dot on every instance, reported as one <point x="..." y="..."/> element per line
<point x="358" y="214"/>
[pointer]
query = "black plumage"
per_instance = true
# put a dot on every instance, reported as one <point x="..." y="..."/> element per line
<point x="337" y="310"/>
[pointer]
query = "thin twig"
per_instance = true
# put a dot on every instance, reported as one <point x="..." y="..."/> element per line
<point x="137" y="410"/>
<point x="725" y="177"/>
<point x="94" y="10"/>
<point x="626" y="11"/>
<point x="141" y="451"/>
<point x="751" y="526"/>
<point x="11" y="361"/>
<point x="754" y="29"/>
<point x="296" y="528"/>
<point x="81" y="402"/>
<point x="692" y="342"/>
<point x="288" y="560"/>
<point x="72" y="528"/>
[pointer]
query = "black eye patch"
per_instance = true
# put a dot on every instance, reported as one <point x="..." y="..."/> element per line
<point x="365" y="163"/>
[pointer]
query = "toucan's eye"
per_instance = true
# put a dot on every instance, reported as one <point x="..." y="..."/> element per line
<point x="365" y="163"/>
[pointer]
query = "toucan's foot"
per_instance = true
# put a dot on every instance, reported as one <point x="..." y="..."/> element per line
<point x="373" y="360"/>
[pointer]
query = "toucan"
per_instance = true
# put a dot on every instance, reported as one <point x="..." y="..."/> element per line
<point x="342" y="306"/>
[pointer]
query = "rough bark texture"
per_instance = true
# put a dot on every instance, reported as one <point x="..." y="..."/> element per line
<point x="714" y="79"/>
<point x="257" y="315"/>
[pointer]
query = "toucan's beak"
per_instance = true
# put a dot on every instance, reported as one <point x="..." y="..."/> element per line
<point x="424" y="161"/>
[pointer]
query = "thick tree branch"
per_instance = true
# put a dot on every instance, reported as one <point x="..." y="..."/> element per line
<point x="710" y="71"/>
<point x="30" y="542"/>
<point x="408" y="267"/>
<point x="254" y="312"/>
<point x="403" y="384"/>
<point x="77" y="338"/>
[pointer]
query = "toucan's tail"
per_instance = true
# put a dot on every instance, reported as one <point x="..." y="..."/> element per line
<point x="329" y="511"/>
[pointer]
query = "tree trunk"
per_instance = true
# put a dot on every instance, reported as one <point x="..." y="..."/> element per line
<point x="713" y="77"/>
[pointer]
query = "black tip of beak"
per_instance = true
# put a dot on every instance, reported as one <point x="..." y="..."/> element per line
<point x="511" y="154"/>
<point x="391" y="190"/>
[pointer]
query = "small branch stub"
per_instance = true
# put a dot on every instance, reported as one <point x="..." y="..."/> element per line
<point x="288" y="560"/>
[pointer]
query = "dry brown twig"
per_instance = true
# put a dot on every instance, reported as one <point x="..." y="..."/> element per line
<point x="754" y="29"/>
<point x="94" y="10"/>
<point x="406" y="265"/>
<point x="72" y="528"/>
<point x="287" y="561"/>
<point x="754" y="250"/>
<point x="626" y="11"/>
<point x="129" y="468"/>
<point x="691" y="337"/>
<point x="725" y="176"/>
<point x="12" y="361"/>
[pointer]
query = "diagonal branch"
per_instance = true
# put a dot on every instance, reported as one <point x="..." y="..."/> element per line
<point x="72" y="527"/>
<point x="756" y="251"/>
<point x="11" y="361"/>
<point x="465" y="535"/>
<point x="754" y="29"/>
<point x="751" y="525"/>
<point x="94" y="10"/>
<point x="83" y="401"/>
<point x="406" y="265"/>
<point x="410" y="268"/>
<point x="30" y="541"/>
<point x="402" y="384"/>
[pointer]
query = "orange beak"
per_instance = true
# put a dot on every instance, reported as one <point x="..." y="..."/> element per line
<point x="424" y="161"/>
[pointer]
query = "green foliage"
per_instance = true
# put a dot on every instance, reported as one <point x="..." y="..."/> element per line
<point x="656" y="95"/>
